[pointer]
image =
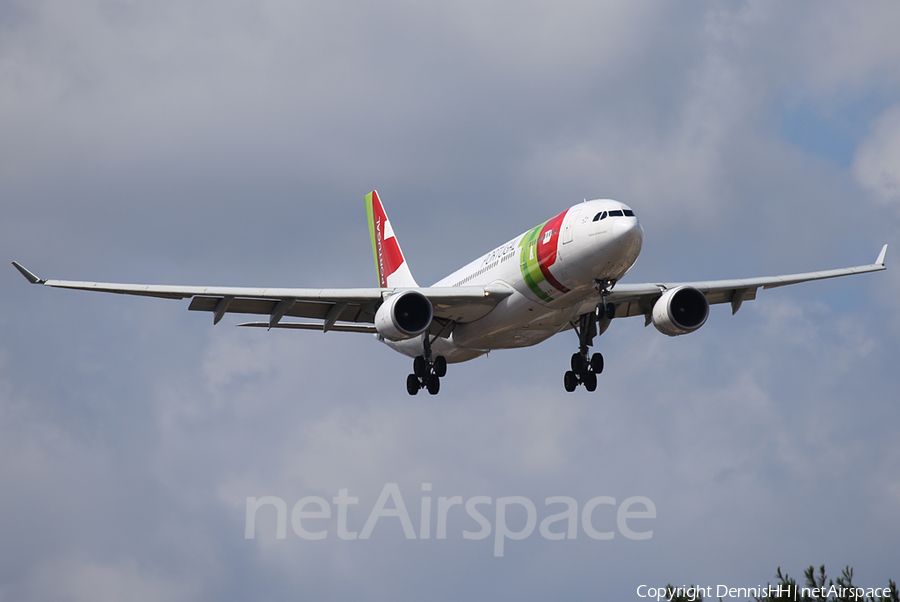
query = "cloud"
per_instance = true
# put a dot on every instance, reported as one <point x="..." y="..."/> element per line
<point x="85" y="580"/>
<point x="878" y="157"/>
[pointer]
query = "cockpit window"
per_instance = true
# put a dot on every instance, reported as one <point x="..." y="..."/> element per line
<point x="614" y="213"/>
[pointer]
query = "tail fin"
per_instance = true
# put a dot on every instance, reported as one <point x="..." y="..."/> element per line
<point x="389" y="261"/>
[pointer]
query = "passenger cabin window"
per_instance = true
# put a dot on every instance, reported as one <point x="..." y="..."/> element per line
<point x="616" y="213"/>
<point x="599" y="216"/>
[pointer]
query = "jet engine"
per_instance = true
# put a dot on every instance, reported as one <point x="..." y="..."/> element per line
<point x="680" y="310"/>
<point x="403" y="315"/>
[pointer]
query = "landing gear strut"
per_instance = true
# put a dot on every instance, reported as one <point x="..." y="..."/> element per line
<point x="585" y="368"/>
<point x="427" y="373"/>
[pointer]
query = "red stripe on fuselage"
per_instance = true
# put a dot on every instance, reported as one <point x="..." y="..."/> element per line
<point x="547" y="247"/>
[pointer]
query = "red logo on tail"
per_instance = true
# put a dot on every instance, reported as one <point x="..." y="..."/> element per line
<point x="389" y="255"/>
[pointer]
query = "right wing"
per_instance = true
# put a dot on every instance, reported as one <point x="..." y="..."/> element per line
<point x="638" y="299"/>
<point x="340" y="309"/>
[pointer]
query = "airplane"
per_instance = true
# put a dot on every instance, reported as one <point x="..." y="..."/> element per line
<point x="563" y="274"/>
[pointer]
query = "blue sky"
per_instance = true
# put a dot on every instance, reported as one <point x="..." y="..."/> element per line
<point x="833" y="134"/>
<point x="232" y="143"/>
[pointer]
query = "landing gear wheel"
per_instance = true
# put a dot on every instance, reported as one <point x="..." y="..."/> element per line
<point x="590" y="381"/>
<point x="610" y="311"/>
<point x="578" y="363"/>
<point x="570" y="381"/>
<point x="597" y="363"/>
<point x="427" y="371"/>
<point x="440" y="366"/>
<point x="420" y="366"/>
<point x="412" y="384"/>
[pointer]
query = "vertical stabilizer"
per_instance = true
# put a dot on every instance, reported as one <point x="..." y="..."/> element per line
<point x="390" y="264"/>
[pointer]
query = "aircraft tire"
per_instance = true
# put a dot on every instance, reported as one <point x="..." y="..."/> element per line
<point x="597" y="363"/>
<point x="412" y="384"/>
<point x="590" y="381"/>
<point x="610" y="311"/>
<point x="440" y="366"/>
<point x="434" y="384"/>
<point x="577" y="364"/>
<point x="420" y="366"/>
<point x="570" y="381"/>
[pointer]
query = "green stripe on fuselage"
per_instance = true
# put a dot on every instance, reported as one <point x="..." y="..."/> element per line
<point x="528" y="263"/>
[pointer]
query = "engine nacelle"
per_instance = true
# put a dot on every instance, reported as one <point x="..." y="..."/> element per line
<point x="680" y="310"/>
<point x="404" y="315"/>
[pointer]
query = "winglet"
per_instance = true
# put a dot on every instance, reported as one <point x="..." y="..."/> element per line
<point x="880" y="260"/>
<point x="31" y="277"/>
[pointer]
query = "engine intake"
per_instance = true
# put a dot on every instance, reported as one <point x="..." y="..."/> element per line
<point x="680" y="310"/>
<point x="404" y="315"/>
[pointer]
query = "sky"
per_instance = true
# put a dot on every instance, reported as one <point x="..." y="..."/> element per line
<point x="232" y="143"/>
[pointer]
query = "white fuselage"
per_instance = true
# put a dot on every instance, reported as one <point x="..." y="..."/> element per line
<point x="551" y="270"/>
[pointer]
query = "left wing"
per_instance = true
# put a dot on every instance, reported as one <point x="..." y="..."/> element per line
<point x="342" y="309"/>
<point x="638" y="299"/>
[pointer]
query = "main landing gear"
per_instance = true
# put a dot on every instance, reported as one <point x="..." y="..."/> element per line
<point x="585" y="368"/>
<point x="584" y="371"/>
<point x="427" y="373"/>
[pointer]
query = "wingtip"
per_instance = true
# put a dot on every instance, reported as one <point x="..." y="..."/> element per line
<point x="28" y="274"/>
<point x="880" y="260"/>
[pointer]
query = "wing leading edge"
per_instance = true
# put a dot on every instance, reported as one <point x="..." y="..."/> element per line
<point x="353" y="309"/>
<point x="341" y="310"/>
<point x="638" y="299"/>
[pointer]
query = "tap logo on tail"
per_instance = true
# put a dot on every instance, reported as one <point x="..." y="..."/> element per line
<point x="390" y="264"/>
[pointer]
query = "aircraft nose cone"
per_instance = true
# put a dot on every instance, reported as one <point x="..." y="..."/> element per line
<point x="628" y="231"/>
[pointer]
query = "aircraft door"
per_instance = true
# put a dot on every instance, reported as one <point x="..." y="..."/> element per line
<point x="569" y="224"/>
